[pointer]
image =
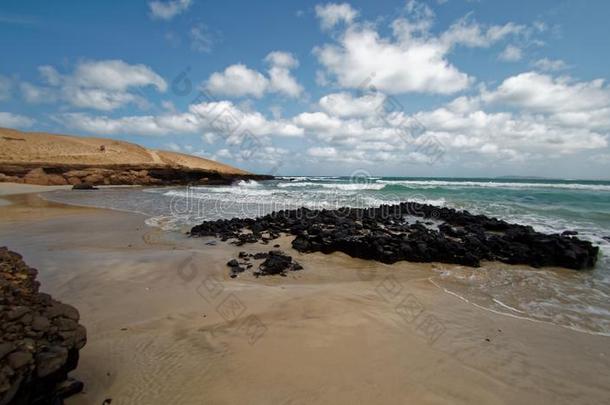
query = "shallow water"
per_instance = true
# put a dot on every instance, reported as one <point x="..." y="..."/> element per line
<point x="578" y="300"/>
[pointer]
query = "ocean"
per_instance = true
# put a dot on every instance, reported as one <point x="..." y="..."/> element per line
<point x="571" y="299"/>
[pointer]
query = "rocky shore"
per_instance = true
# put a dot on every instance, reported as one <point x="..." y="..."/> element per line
<point x="409" y="231"/>
<point x="40" y="338"/>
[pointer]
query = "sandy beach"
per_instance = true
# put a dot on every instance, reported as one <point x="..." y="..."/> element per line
<point x="166" y="324"/>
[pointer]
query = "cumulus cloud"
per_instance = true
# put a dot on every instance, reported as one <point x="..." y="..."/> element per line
<point x="222" y="118"/>
<point x="101" y="85"/>
<point x="280" y="78"/>
<point x="534" y="117"/>
<point x="332" y="14"/>
<point x="166" y="10"/>
<point x="317" y="121"/>
<point x="241" y="81"/>
<point x="543" y="117"/>
<point x="10" y="120"/>
<point x="412" y="59"/>
<point x="362" y="57"/>
<point x="114" y="75"/>
<point x="344" y="104"/>
<point x="236" y="81"/>
<point x="505" y="135"/>
<point x="543" y="93"/>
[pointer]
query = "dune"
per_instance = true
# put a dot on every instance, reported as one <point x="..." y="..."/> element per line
<point x="51" y="159"/>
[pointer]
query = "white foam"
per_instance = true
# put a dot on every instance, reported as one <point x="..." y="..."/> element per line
<point x="522" y="317"/>
<point x="338" y="186"/>
<point x="494" y="184"/>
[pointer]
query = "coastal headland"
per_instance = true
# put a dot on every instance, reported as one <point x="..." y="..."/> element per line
<point x="50" y="159"/>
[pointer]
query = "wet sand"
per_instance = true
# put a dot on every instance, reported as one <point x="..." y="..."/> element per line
<point x="167" y="325"/>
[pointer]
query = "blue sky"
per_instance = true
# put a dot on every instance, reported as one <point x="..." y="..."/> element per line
<point x="428" y="88"/>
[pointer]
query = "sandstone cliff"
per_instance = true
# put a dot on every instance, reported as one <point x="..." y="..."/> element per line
<point x="49" y="159"/>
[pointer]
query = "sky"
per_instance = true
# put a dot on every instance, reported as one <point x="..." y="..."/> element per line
<point x="395" y="88"/>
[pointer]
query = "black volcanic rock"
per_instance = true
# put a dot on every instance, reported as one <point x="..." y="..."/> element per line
<point x="40" y="338"/>
<point x="278" y="263"/>
<point x="84" y="186"/>
<point x="409" y="231"/>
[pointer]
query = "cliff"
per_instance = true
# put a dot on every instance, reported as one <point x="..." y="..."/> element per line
<point x="49" y="159"/>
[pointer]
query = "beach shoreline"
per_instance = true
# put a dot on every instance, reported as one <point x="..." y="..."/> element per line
<point x="166" y="323"/>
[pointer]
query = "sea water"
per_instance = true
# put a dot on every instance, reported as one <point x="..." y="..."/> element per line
<point x="579" y="300"/>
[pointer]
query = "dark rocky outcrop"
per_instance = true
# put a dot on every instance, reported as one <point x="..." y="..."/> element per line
<point x="84" y="186"/>
<point x="40" y="338"/>
<point x="409" y="231"/>
<point x="147" y="175"/>
<point x="275" y="262"/>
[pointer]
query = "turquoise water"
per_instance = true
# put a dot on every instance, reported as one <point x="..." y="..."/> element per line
<point x="576" y="300"/>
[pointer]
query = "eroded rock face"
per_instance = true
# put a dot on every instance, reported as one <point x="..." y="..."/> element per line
<point x="40" y="338"/>
<point x="412" y="232"/>
<point x="56" y="175"/>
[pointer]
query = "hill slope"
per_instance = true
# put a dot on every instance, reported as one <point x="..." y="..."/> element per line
<point x="43" y="158"/>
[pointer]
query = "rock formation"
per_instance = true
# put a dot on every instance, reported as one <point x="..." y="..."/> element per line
<point x="40" y="338"/>
<point x="275" y="262"/>
<point x="409" y="231"/>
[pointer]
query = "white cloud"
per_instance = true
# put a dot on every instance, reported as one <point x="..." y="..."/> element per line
<point x="535" y="117"/>
<point x="332" y="14"/>
<point x="469" y="33"/>
<point x="282" y="59"/>
<point x="345" y="105"/>
<point x="555" y="117"/>
<point x="240" y="81"/>
<point x="255" y="122"/>
<point x="412" y="59"/>
<point x="542" y="93"/>
<point x="511" y="53"/>
<point x="98" y="99"/>
<point x="101" y="85"/>
<point x="317" y="121"/>
<point x="10" y="120"/>
<point x="200" y="118"/>
<point x="362" y="57"/>
<point x="133" y="125"/>
<point x="116" y="75"/>
<point x="280" y="79"/>
<point x="550" y="65"/>
<point x="166" y="10"/>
